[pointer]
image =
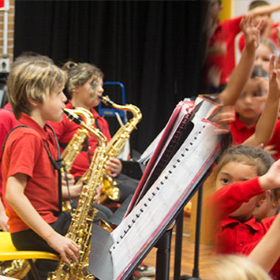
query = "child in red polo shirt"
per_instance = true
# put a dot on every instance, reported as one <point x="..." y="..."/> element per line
<point x="242" y="177"/>
<point x="31" y="190"/>
<point x="249" y="107"/>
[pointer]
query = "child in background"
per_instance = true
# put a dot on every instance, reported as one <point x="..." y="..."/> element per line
<point x="30" y="179"/>
<point x="264" y="52"/>
<point x="269" y="30"/>
<point x="85" y="87"/>
<point x="220" y="59"/>
<point x="249" y="107"/>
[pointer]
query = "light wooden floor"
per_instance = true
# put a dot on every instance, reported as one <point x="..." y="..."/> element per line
<point x="187" y="253"/>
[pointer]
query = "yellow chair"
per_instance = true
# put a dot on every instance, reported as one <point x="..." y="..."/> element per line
<point x="8" y="252"/>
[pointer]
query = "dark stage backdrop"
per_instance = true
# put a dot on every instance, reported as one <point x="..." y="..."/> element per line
<point x="154" y="48"/>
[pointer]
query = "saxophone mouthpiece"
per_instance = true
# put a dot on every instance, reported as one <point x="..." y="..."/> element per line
<point x="106" y="100"/>
<point x="72" y="116"/>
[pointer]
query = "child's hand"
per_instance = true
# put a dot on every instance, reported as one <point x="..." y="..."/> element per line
<point x="66" y="247"/>
<point x="274" y="77"/>
<point x="271" y="180"/>
<point x="251" y="32"/>
<point x="114" y="167"/>
<point x="3" y="222"/>
<point x="271" y="150"/>
<point x="70" y="179"/>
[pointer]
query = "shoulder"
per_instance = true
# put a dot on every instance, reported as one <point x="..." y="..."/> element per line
<point x="24" y="135"/>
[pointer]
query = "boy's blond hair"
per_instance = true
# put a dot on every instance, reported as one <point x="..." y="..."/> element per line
<point x="32" y="81"/>
<point x="233" y="267"/>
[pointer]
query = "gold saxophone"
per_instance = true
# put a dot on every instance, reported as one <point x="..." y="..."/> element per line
<point x="74" y="147"/>
<point x="115" y="145"/>
<point x="82" y="218"/>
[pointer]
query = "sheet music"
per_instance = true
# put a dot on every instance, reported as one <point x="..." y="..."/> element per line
<point x="144" y="223"/>
<point x="203" y="108"/>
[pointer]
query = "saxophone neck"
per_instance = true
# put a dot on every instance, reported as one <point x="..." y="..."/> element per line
<point x="127" y="107"/>
<point x="74" y="115"/>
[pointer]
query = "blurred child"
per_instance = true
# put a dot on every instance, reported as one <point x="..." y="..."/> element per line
<point x="250" y="106"/>
<point x="265" y="50"/>
<point x="269" y="29"/>
<point x="220" y="59"/>
<point x="30" y="177"/>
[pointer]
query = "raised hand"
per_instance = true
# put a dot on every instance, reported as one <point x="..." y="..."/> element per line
<point x="274" y="76"/>
<point x="251" y="32"/>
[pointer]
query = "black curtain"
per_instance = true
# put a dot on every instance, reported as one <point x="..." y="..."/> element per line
<point x="154" y="48"/>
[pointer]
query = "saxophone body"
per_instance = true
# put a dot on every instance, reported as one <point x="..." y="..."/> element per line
<point x="74" y="147"/>
<point x="82" y="218"/>
<point x="116" y="144"/>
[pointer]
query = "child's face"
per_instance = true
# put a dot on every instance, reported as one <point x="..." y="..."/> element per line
<point x="263" y="55"/>
<point x="234" y="172"/>
<point x="214" y="9"/>
<point x="265" y="18"/>
<point x="99" y="91"/>
<point x="52" y="107"/>
<point x="87" y="95"/>
<point x="266" y="209"/>
<point x="251" y="103"/>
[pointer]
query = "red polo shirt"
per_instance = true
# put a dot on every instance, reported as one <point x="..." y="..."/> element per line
<point x="25" y="153"/>
<point x="231" y="236"/>
<point x="7" y="122"/>
<point x="240" y="132"/>
<point x="66" y="129"/>
<point x="225" y="32"/>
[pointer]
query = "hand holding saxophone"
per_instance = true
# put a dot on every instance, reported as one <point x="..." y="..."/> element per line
<point x="74" y="189"/>
<point x="114" y="167"/>
<point x="66" y="247"/>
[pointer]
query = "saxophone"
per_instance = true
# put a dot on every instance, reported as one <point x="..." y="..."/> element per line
<point x="115" y="146"/>
<point x="82" y="218"/>
<point x="73" y="148"/>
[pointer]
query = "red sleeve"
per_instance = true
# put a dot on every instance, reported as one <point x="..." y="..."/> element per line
<point x="24" y="160"/>
<point x="234" y="25"/>
<point x="230" y="198"/>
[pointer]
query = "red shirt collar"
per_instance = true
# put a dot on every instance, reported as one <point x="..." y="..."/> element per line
<point x="251" y="223"/>
<point x="241" y="125"/>
<point x="26" y="120"/>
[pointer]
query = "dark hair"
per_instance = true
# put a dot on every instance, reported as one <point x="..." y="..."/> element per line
<point x="220" y="2"/>
<point x="258" y="71"/>
<point x="252" y="156"/>
<point x="257" y="3"/>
